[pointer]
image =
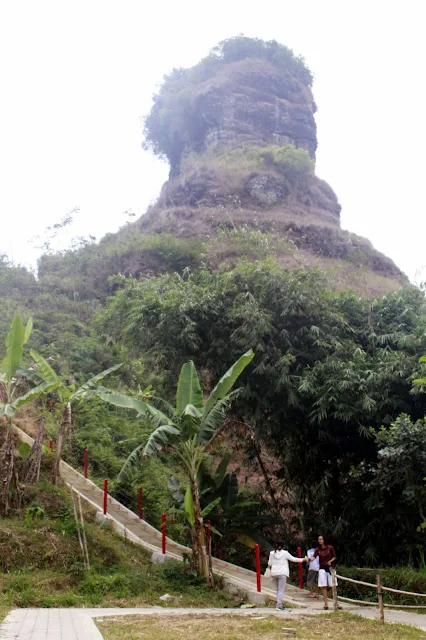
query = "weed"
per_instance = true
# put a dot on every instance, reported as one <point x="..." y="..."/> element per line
<point x="35" y="511"/>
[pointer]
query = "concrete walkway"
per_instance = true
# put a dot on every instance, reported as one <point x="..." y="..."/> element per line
<point x="78" y="624"/>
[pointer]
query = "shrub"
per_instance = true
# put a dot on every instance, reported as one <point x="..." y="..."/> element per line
<point x="180" y="575"/>
<point x="287" y="160"/>
<point x="294" y="163"/>
<point x="240" y="47"/>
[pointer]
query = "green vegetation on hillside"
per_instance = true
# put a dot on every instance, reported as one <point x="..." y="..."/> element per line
<point x="293" y="163"/>
<point x="330" y="370"/>
<point x="41" y="562"/>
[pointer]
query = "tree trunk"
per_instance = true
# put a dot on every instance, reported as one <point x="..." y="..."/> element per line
<point x="194" y="547"/>
<point x="32" y="465"/>
<point x="257" y="452"/>
<point x="63" y="427"/>
<point x="8" y="471"/>
<point x="266" y="477"/>
<point x="200" y="551"/>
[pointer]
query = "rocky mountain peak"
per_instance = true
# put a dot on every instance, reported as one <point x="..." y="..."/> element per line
<point x="239" y="132"/>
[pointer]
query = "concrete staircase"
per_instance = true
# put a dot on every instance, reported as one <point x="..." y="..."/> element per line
<point x="127" y="524"/>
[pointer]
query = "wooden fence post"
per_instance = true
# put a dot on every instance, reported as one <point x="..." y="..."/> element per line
<point x="333" y="588"/>
<point x="380" y="599"/>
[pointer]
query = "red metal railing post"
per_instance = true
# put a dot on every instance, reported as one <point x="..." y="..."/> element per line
<point x="105" y="496"/>
<point x="258" y="578"/>
<point x="86" y="462"/>
<point x="140" y="509"/>
<point x="163" y="532"/>
<point x="299" y="555"/>
<point x="51" y="445"/>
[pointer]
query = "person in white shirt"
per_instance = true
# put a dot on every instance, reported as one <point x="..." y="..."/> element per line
<point x="313" y="571"/>
<point x="280" y="570"/>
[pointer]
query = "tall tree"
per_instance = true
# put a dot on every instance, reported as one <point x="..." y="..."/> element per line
<point x="67" y="394"/>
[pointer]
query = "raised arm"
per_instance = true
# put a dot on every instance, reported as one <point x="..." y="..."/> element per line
<point x="293" y="559"/>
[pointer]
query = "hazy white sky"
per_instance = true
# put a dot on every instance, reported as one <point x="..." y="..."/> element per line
<point x="77" y="76"/>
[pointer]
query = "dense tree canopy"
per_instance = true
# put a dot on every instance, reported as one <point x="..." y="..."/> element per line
<point x="328" y="368"/>
<point x="331" y="371"/>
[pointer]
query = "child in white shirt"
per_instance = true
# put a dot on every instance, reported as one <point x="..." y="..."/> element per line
<point x="313" y="571"/>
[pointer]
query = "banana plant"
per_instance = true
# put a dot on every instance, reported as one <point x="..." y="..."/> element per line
<point x="67" y="394"/>
<point x="233" y="516"/>
<point x="186" y="429"/>
<point x="238" y="517"/>
<point x="13" y="395"/>
<point x="186" y="512"/>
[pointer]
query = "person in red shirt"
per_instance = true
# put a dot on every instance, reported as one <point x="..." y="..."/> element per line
<point x="327" y="558"/>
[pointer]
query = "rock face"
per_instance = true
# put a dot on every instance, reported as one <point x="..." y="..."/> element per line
<point x="240" y="136"/>
<point x="252" y="102"/>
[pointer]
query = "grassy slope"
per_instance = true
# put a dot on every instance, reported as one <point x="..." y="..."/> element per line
<point x="334" y="627"/>
<point x="40" y="564"/>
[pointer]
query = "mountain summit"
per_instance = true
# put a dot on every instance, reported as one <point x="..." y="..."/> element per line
<point x="239" y="133"/>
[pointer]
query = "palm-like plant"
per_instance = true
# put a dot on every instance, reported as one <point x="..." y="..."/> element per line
<point x="233" y="516"/>
<point x="67" y="394"/>
<point x="186" y="429"/>
<point x="11" y="398"/>
<point x="237" y="517"/>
